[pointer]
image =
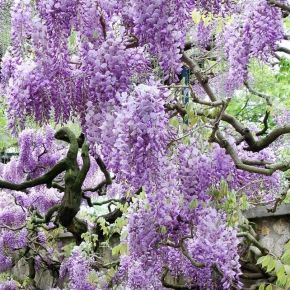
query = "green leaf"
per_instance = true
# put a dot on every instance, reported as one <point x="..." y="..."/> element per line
<point x="261" y="259"/>
<point x="193" y="204"/>
<point x="287" y="269"/>
<point x="123" y="208"/>
<point x="244" y="202"/>
<point x="124" y="249"/>
<point x="110" y="274"/>
<point x="181" y="201"/>
<point x="191" y="115"/>
<point x="174" y="122"/>
<point x="224" y="188"/>
<point x="287" y="245"/>
<point x="278" y="265"/>
<point x="269" y="287"/>
<point x="124" y="235"/>
<point x="26" y="283"/>
<point x="93" y="277"/>
<point x="120" y="249"/>
<point x="271" y="265"/>
<point x="192" y="119"/>
<point x="104" y="226"/>
<point x="281" y="277"/>
<point x="288" y="283"/>
<point x="67" y="249"/>
<point x="73" y="40"/>
<point x="266" y="261"/>
<point x="142" y="195"/>
<point x="262" y="286"/>
<point x="120" y="223"/>
<point x="196" y="16"/>
<point x="116" y="250"/>
<point x="163" y="230"/>
<point x="286" y="257"/>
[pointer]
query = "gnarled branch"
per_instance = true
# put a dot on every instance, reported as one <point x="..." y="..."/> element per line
<point x="267" y="98"/>
<point x="279" y="5"/>
<point x="166" y="284"/>
<point x="47" y="178"/>
<point x="198" y="74"/>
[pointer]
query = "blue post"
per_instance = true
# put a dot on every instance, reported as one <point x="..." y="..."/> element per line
<point x="185" y="80"/>
<point x="185" y="91"/>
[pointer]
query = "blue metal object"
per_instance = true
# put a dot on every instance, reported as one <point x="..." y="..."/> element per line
<point x="185" y="79"/>
<point x="185" y="91"/>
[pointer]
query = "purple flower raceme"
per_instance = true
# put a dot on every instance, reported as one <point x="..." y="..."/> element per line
<point x="10" y="241"/>
<point x="150" y="250"/>
<point x="9" y="285"/>
<point x="205" y="33"/>
<point x="141" y="135"/>
<point x="199" y="171"/>
<point x="255" y="33"/>
<point x="5" y="262"/>
<point x="283" y="118"/>
<point x="159" y="24"/>
<point x="77" y="268"/>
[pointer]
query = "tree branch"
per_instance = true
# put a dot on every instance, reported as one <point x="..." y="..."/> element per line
<point x="279" y="5"/>
<point x="266" y="126"/>
<point x="108" y="201"/>
<point x="166" y="284"/>
<point x="251" y="239"/>
<point x="283" y="49"/>
<point x="187" y="255"/>
<point x="256" y="146"/>
<point x="259" y="94"/>
<point x="12" y="229"/>
<point x="88" y="199"/>
<point x="65" y="134"/>
<point x="269" y="170"/>
<point x="86" y="163"/>
<point x="104" y="170"/>
<point x="253" y="144"/>
<point x="176" y="107"/>
<point x="50" y="213"/>
<point x="280" y="199"/>
<point x="47" y="178"/>
<point x="256" y="162"/>
<point x="218" y="119"/>
<point x="97" y="188"/>
<point x="57" y="186"/>
<point x="198" y="74"/>
<point x="107" y="181"/>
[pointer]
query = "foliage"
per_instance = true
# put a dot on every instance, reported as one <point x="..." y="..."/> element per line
<point x="279" y="267"/>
